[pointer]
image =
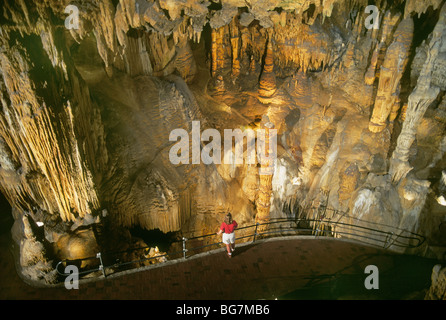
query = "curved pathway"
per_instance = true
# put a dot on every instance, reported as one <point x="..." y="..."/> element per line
<point x="289" y="268"/>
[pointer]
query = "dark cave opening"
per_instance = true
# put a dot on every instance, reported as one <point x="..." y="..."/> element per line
<point x="424" y="25"/>
<point x="155" y="237"/>
<point x="206" y="39"/>
<point x="215" y="5"/>
<point x="6" y="219"/>
<point x="309" y="13"/>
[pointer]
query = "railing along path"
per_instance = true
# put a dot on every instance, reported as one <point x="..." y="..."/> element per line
<point x="371" y="233"/>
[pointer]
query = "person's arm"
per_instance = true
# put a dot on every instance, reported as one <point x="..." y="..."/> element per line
<point x="220" y="231"/>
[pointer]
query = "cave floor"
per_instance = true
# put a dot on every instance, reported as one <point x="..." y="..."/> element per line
<point x="285" y="268"/>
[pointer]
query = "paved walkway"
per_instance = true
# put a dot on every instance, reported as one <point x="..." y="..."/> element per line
<point x="266" y="269"/>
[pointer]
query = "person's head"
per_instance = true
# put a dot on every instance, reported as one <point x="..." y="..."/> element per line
<point x="228" y="218"/>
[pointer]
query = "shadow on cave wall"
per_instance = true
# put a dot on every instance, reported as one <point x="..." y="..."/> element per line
<point x="6" y="219"/>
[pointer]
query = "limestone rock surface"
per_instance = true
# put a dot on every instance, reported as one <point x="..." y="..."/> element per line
<point x="88" y="105"/>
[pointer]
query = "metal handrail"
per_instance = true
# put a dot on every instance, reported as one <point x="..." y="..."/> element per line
<point x="371" y="237"/>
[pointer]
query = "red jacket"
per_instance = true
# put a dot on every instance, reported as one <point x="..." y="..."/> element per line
<point x="228" y="228"/>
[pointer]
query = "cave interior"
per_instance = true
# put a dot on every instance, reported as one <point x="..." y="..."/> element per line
<point x="91" y="96"/>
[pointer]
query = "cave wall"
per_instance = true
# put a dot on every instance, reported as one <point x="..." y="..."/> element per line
<point x="87" y="111"/>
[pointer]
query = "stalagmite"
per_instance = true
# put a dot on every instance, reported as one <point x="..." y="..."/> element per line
<point x="263" y="202"/>
<point x="422" y="96"/>
<point x="348" y="181"/>
<point x="390" y="75"/>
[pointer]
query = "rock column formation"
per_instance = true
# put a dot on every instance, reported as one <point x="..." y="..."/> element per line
<point x="425" y="92"/>
<point x="266" y="170"/>
<point x="391" y="72"/>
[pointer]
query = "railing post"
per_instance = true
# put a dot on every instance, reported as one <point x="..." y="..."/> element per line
<point x="57" y="268"/>
<point x="255" y="232"/>
<point x="388" y="238"/>
<point x="101" y="266"/>
<point x="184" y="247"/>
<point x="316" y="229"/>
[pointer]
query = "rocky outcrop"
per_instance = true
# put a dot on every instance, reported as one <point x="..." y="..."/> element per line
<point x="437" y="290"/>
<point x="80" y="245"/>
<point x="33" y="253"/>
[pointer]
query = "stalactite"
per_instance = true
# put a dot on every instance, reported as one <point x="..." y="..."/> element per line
<point x="267" y="84"/>
<point x="396" y="106"/>
<point x="162" y="54"/>
<point x="370" y="74"/>
<point x="235" y="46"/>
<point x="218" y="51"/>
<point x="54" y="175"/>
<point x="185" y="62"/>
<point x="214" y="53"/>
<point x="137" y="58"/>
<point x="252" y="65"/>
<point x="403" y="112"/>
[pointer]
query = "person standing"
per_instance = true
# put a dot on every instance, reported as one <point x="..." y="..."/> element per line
<point x="228" y="227"/>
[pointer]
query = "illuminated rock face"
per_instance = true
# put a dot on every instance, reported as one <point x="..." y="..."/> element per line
<point x="44" y="164"/>
<point x="391" y="72"/>
<point x="87" y="110"/>
<point x="267" y="83"/>
<point x="437" y="290"/>
<point x="426" y="91"/>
